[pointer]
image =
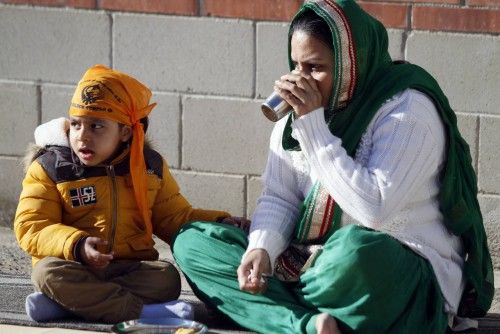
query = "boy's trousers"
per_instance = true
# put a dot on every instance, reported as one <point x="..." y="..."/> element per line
<point x="112" y="294"/>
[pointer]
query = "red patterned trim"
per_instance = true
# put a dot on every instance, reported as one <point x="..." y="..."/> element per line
<point x="351" y="47"/>
<point x="327" y="218"/>
<point x="345" y="57"/>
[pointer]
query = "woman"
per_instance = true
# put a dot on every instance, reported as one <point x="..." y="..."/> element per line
<point x="369" y="219"/>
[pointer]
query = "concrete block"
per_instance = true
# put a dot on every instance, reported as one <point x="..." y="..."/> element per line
<point x="468" y="126"/>
<point x="202" y="55"/>
<point x="490" y="208"/>
<point x="54" y="45"/>
<point x="489" y="162"/>
<point x="224" y="135"/>
<point x="272" y="55"/>
<point x="254" y="190"/>
<point x="18" y="118"/>
<point x="396" y="43"/>
<point x="56" y="100"/>
<point x="11" y="177"/>
<point x="495" y="305"/>
<point x="164" y="127"/>
<point x="213" y="191"/>
<point x="466" y="66"/>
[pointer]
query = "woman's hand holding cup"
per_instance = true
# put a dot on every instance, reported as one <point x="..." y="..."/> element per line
<point x="300" y="91"/>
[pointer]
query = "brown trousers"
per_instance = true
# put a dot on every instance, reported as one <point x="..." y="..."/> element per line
<point x="112" y="294"/>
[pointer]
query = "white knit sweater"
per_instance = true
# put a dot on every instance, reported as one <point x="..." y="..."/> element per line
<point x="391" y="185"/>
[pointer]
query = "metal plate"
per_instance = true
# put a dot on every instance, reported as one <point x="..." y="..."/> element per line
<point x="160" y="326"/>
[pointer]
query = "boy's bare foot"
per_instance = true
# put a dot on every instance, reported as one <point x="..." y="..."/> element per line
<point x="326" y="324"/>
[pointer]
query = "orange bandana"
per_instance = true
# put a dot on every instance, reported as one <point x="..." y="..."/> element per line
<point x="110" y="94"/>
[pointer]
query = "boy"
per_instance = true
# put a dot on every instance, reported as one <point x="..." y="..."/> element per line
<point x="87" y="212"/>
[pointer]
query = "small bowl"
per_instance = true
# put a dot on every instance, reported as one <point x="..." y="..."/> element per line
<point x="159" y="326"/>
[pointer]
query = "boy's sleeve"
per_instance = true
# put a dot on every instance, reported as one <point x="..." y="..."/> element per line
<point x="171" y="210"/>
<point x="38" y="221"/>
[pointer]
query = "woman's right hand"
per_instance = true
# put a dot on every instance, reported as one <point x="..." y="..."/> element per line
<point x="252" y="271"/>
<point x="300" y="90"/>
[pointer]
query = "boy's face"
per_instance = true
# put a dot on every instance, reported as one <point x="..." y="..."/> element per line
<point x="95" y="140"/>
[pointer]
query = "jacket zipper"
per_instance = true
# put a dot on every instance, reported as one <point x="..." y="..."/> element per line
<point x="114" y="205"/>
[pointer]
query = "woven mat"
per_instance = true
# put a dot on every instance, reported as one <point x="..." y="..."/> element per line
<point x="13" y="291"/>
<point x="15" y="285"/>
<point x="15" y="288"/>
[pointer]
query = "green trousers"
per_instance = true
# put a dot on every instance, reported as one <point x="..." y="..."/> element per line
<point x="367" y="280"/>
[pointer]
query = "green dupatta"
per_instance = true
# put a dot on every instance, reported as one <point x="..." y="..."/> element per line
<point x="364" y="78"/>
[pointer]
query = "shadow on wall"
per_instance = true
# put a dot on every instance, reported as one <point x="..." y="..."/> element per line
<point x="7" y="212"/>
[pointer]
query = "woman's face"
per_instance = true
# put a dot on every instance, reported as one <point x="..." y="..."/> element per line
<point x="312" y="56"/>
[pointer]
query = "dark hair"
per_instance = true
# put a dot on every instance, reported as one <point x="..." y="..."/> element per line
<point x="312" y="24"/>
<point x="145" y="123"/>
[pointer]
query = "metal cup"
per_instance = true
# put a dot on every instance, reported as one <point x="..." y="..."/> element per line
<point x="275" y="108"/>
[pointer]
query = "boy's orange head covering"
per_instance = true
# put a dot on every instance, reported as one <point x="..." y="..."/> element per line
<point x="110" y="94"/>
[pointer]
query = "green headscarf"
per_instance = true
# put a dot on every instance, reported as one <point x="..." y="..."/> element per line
<point x="364" y="78"/>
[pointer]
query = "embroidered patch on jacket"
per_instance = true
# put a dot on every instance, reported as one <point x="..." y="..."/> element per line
<point x="82" y="196"/>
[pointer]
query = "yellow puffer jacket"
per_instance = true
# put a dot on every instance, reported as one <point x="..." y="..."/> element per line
<point x="63" y="201"/>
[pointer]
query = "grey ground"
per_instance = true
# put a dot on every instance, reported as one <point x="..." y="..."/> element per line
<point x="14" y="261"/>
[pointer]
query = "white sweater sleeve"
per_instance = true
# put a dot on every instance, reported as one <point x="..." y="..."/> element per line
<point x="405" y="152"/>
<point x="278" y="206"/>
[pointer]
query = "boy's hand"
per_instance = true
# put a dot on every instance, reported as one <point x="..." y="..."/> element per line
<point x="240" y="222"/>
<point x="91" y="256"/>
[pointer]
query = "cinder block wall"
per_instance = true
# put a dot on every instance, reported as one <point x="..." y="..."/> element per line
<point x="211" y="63"/>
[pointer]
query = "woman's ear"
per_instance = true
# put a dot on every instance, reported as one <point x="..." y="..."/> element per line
<point x="125" y="133"/>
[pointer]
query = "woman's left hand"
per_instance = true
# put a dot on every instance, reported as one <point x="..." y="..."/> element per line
<point x="240" y="222"/>
<point x="300" y="90"/>
<point x="253" y="270"/>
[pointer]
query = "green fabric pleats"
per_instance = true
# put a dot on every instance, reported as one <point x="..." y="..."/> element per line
<point x="209" y="255"/>
<point x="367" y="280"/>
